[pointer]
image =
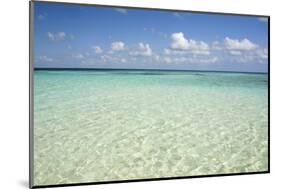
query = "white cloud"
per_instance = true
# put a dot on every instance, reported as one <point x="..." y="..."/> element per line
<point x="235" y="44"/>
<point x="167" y="51"/>
<point x="56" y="36"/>
<point x="42" y="16"/>
<point x="200" y="45"/>
<point x="114" y="59"/>
<point x="143" y="50"/>
<point x="242" y="51"/>
<point x="198" y="52"/>
<point x="179" y="42"/>
<point x="174" y="52"/>
<point x="167" y="60"/>
<point x="178" y="15"/>
<point x="259" y="55"/>
<point x="45" y="59"/>
<point x="105" y="58"/>
<point x="156" y="58"/>
<point x="209" y="60"/>
<point x="191" y="59"/>
<point x="180" y="59"/>
<point x="263" y="19"/>
<point x="61" y="35"/>
<point x="216" y="45"/>
<point x="121" y="10"/>
<point x="51" y="36"/>
<point x="97" y="49"/>
<point x="262" y="53"/>
<point x="181" y="52"/>
<point x="235" y="52"/>
<point x="245" y="59"/>
<point x="118" y="46"/>
<point x="123" y="60"/>
<point x="79" y="56"/>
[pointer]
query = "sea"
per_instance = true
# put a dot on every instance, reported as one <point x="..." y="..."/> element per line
<point x="95" y="125"/>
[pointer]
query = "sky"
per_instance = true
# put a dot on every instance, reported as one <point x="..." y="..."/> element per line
<point x="78" y="36"/>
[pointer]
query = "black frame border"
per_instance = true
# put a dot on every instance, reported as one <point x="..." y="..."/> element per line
<point x="31" y="97"/>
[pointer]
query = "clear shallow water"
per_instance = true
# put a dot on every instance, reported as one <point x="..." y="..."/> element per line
<point x="94" y="126"/>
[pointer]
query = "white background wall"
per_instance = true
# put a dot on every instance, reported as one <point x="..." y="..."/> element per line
<point x="14" y="93"/>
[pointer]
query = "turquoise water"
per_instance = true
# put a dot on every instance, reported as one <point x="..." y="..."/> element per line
<point x="92" y="126"/>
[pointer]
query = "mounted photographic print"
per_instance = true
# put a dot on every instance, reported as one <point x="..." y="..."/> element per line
<point x="121" y="94"/>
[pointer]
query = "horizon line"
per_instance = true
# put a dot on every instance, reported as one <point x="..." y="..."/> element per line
<point x="142" y="69"/>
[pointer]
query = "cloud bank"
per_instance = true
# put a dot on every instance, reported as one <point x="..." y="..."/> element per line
<point x="118" y="46"/>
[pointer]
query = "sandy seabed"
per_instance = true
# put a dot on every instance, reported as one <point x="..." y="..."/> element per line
<point x="92" y="126"/>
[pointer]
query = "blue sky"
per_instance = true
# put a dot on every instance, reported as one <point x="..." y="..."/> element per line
<point x="77" y="36"/>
